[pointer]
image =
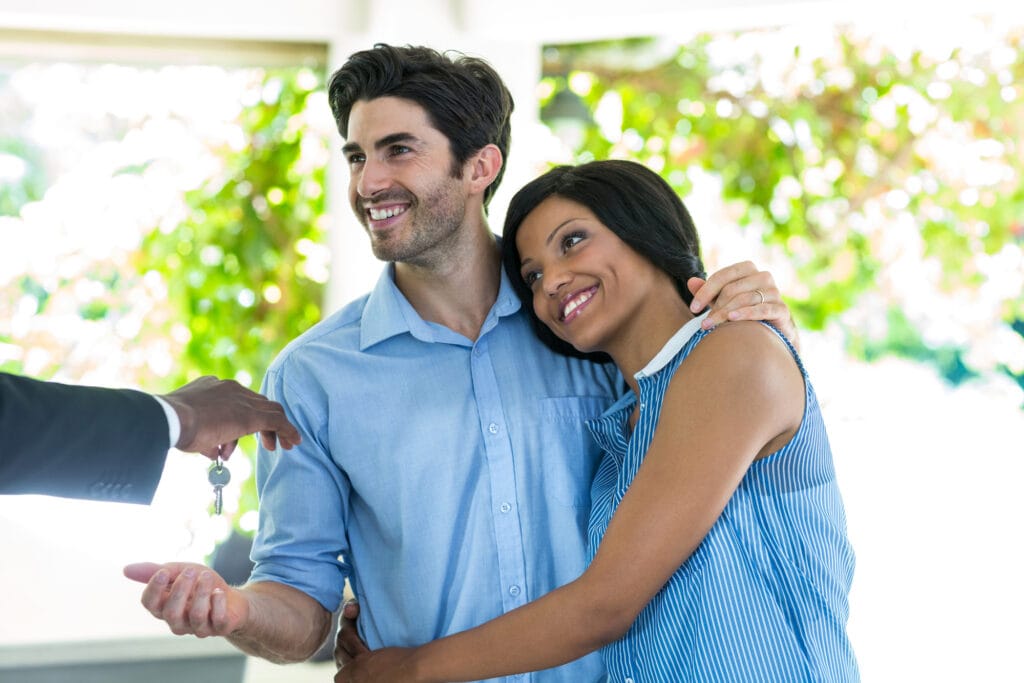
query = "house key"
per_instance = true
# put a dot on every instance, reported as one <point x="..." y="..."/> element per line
<point x="219" y="476"/>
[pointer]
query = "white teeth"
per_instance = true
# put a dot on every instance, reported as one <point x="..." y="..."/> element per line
<point x="381" y="214"/>
<point x="576" y="303"/>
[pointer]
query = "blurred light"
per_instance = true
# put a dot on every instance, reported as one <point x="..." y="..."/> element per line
<point x="12" y="168"/>
<point x="246" y="298"/>
<point x="249" y="521"/>
<point x="272" y="293"/>
<point x="211" y="255"/>
<point x="939" y="90"/>
<point x="275" y="195"/>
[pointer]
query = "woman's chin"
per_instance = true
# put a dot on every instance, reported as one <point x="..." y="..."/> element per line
<point x="581" y="345"/>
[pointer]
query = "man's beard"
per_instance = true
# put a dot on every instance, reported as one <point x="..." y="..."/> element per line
<point x="430" y="226"/>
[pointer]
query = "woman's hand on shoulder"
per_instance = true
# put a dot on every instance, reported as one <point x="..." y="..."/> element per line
<point x="742" y="292"/>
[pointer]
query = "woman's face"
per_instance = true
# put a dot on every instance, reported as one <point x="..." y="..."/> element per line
<point x="588" y="285"/>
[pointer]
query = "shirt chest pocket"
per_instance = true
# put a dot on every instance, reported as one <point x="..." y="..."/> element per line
<point x="567" y="454"/>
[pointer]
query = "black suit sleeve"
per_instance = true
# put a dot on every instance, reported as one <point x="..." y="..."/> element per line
<point x="80" y="442"/>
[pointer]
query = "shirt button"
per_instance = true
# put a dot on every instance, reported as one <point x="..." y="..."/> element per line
<point x="514" y="590"/>
<point x="505" y="507"/>
<point x="628" y="680"/>
<point x="492" y="428"/>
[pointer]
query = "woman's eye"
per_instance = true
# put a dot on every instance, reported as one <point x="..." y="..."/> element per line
<point x="531" y="278"/>
<point x="571" y="240"/>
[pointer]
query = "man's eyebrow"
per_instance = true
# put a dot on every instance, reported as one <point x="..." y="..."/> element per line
<point x="392" y="139"/>
<point x="395" y="138"/>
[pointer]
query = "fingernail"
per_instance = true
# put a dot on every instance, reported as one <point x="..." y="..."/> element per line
<point x="706" y="324"/>
<point x="696" y="306"/>
<point x="189" y="573"/>
<point x="160" y="577"/>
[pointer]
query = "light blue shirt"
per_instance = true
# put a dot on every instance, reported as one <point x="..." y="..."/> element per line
<point x="451" y="477"/>
<point x="764" y="597"/>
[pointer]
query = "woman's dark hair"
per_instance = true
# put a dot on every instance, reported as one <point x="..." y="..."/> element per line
<point x="633" y="202"/>
<point x="464" y="97"/>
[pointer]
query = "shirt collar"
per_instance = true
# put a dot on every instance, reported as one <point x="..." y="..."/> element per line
<point x="388" y="313"/>
<point x="672" y="347"/>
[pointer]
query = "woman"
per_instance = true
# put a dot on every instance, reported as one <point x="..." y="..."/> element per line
<point x="717" y="531"/>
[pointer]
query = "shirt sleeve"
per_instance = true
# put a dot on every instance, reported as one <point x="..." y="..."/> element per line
<point x="173" y="421"/>
<point x="303" y="498"/>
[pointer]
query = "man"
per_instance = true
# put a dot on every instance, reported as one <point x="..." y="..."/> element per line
<point x="110" y="444"/>
<point x="445" y="470"/>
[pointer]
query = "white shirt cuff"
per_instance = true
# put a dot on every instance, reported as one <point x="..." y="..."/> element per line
<point x="173" y="423"/>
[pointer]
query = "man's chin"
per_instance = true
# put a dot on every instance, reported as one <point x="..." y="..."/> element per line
<point x="388" y="253"/>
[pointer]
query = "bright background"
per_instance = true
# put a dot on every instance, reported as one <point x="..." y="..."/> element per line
<point x="140" y="196"/>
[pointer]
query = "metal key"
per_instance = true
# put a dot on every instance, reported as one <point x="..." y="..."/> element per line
<point x="219" y="476"/>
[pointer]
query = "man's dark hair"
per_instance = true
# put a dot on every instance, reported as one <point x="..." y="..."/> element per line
<point x="464" y="97"/>
<point x="632" y="201"/>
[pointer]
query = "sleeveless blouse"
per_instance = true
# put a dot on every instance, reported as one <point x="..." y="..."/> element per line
<point x="764" y="597"/>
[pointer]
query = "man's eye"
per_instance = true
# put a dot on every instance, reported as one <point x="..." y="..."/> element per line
<point x="398" y="150"/>
<point x="356" y="159"/>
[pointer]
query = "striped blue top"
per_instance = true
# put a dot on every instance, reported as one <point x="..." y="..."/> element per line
<point x="764" y="596"/>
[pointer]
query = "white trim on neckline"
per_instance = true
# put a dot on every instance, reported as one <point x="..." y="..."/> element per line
<point x="672" y="346"/>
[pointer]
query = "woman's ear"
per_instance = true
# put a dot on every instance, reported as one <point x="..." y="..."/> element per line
<point x="483" y="167"/>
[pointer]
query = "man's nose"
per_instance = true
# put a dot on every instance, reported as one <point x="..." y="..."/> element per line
<point x="373" y="178"/>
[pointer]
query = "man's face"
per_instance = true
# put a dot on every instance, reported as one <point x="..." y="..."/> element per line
<point x="402" y="187"/>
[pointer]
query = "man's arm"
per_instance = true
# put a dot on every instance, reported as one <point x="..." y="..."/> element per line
<point x="267" y="619"/>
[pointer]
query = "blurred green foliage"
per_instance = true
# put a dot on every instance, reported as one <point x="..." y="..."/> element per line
<point x="823" y="155"/>
<point x="29" y="182"/>
<point x="241" y="268"/>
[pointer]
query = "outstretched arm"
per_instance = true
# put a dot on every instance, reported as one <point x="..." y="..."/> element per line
<point x="267" y="619"/>
<point x="701" y="449"/>
<point x="742" y="292"/>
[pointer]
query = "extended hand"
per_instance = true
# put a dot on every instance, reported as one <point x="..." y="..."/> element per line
<point x="190" y="598"/>
<point x="392" y="664"/>
<point x="215" y="412"/>
<point x="742" y="292"/>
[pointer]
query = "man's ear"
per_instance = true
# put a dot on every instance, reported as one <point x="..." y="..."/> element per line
<point x="483" y="167"/>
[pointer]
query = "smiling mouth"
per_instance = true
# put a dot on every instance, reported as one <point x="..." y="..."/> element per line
<point x="573" y="304"/>
<point x="386" y="212"/>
